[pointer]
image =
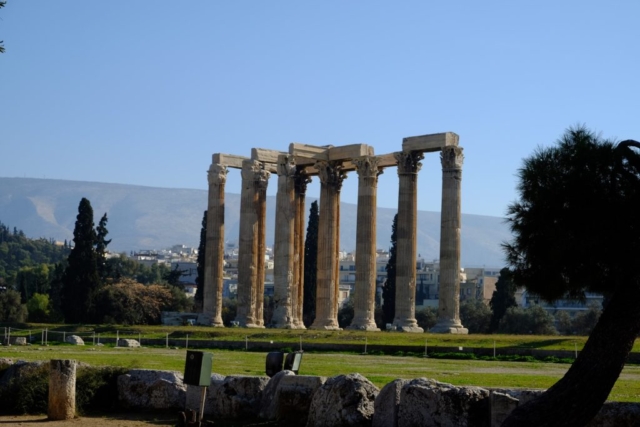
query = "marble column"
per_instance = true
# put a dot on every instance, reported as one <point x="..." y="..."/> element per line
<point x="261" y="209"/>
<point x="331" y="176"/>
<point x="301" y="181"/>
<point x="406" y="243"/>
<point x="284" y="268"/>
<point x="253" y="178"/>
<point x="365" y="287"/>
<point x="449" y="293"/>
<point x="214" y="250"/>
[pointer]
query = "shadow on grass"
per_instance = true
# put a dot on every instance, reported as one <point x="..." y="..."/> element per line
<point x="544" y="343"/>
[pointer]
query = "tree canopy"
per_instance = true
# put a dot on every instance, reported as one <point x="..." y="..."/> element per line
<point x="310" y="266"/>
<point x="389" y="288"/>
<point x="576" y="230"/>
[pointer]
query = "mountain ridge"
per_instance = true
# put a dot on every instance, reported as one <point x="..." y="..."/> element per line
<point x="142" y="217"/>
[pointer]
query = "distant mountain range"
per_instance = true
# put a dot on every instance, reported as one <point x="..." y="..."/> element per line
<point x="158" y="218"/>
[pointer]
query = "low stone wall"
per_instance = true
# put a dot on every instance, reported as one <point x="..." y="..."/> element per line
<point x="343" y="400"/>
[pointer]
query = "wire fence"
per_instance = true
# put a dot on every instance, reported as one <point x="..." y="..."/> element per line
<point x="124" y="338"/>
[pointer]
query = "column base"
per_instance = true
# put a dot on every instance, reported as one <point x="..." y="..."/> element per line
<point x="407" y="325"/>
<point x="449" y="327"/>
<point x="253" y="326"/>
<point x="364" y="327"/>
<point x="217" y="324"/>
<point x="325" y="327"/>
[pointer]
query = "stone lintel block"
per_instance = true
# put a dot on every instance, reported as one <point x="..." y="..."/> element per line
<point x="387" y="160"/>
<point x="308" y="154"/>
<point x="265" y="156"/>
<point x="349" y="152"/>
<point x="228" y="160"/>
<point x="429" y="143"/>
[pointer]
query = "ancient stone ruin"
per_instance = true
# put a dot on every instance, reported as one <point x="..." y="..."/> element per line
<point x="330" y="165"/>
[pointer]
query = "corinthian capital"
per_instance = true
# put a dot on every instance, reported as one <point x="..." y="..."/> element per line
<point x="217" y="174"/>
<point x="286" y="165"/>
<point x="408" y="163"/>
<point x="331" y="173"/>
<point x="252" y="171"/>
<point x="451" y="157"/>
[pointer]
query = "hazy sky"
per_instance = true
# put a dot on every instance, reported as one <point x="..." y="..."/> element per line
<point x="144" y="92"/>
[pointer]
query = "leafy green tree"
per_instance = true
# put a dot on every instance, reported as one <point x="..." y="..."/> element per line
<point x="346" y="312"/>
<point x="584" y="321"/>
<point x="563" y="322"/>
<point x="81" y="278"/>
<point x="389" y="288"/>
<point x="525" y="321"/>
<point x="475" y="316"/>
<point x="172" y="277"/>
<point x="11" y="310"/>
<point x="38" y="307"/>
<point x="427" y="318"/>
<point x="310" y="266"/>
<point x="55" y="292"/>
<point x="31" y="280"/>
<point x="576" y="230"/>
<point x="503" y="298"/>
<point x="202" y="247"/>
<point x="101" y="247"/>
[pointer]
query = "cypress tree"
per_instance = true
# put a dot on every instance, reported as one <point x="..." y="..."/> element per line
<point x="310" y="266"/>
<point x="101" y="246"/>
<point x="389" y="289"/>
<point x="503" y="298"/>
<point x="200" y="263"/>
<point x="81" y="278"/>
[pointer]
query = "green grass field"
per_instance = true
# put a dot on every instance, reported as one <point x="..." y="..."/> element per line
<point x="293" y="337"/>
<point x="377" y="368"/>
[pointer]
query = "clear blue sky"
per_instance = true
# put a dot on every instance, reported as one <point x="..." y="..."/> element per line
<point x="144" y="92"/>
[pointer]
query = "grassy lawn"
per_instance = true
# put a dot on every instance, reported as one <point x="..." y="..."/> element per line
<point x="378" y="369"/>
<point x="292" y="338"/>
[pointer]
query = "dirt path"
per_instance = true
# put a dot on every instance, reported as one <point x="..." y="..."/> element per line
<point x="111" y="420"/>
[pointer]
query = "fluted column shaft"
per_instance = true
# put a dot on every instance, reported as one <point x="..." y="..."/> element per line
<point x="365" y="287"/>
<point x="214" y="245"/>
<point x="449" y="293"/>
<point x="261" y="209"/>
<point x="284" y="276"/>
<point x="301" y="182"/>
<point x="408" y="167"/>
<point x="253" y="177"/>
<point x="331" y="176"/>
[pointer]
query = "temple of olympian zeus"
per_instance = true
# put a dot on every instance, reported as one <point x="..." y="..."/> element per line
<point x="330" y="164"/>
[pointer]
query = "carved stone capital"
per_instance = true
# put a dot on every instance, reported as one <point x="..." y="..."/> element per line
<point x="301" y="182"/>
<point x="451" y="158"/>
<point x="408" y="163"/>
<point x="286" y="166"/>
<point x="217" y="174"/>
<point x="367" y="167"/>
<point x="331" y="173"/>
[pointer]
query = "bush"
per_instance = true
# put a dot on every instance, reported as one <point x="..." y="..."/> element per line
<point x="28" y="393"/>
<point x="475" y="315"/>
<point x="97" y="388"/>
<point x="524" y="321"/>
<point x="427" y="318"/>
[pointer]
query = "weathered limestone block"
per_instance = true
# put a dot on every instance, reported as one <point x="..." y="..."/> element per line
<point x="143" y="388"/>
<point x="128" y="343"/>
<point x="425" y="402"/>
<point x="268" y="409"/>
<point x="19" y="341"/>
<point x="343" y="400"/>
<point x="237" y="397"/>
<point x="501" y="406"/>
<point x="74" y="339"/>
<point x="62" y="390"/>
<point x="387" y="403"/>
<point x="194" y="395"/>
<point x="615" y="414"/>
<point x="293" y="397"/>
